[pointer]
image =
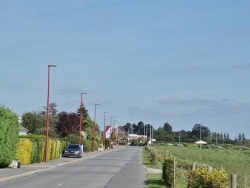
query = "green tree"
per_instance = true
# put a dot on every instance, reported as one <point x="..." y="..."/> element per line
<point x="9" y="128"/>
<point x="84" y="111"/>
<point x="200" y="130"/>
<point x="140" y="130"/>
<point x="52" y="110"/>
<point x="128" y="127"/>
<point x="34" y="122"/>
<point x="167" y="127"/>
<point x="240" y="138"/>
<point x="160" y="134"/>
<point x="243" y="136"/>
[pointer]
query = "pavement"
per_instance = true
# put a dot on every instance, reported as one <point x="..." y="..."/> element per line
<point x="12" y="173"/>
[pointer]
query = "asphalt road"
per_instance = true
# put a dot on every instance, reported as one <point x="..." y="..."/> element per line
<point x="121" y="168"/>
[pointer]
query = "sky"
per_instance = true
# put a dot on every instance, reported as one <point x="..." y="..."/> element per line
<point x="181" y="62"/>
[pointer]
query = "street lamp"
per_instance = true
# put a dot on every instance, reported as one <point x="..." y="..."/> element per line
<point x="47" y="117"/>
<point x="80" y="126"/>
<point x="93" y="140"/>
<point x="104" y="133"/>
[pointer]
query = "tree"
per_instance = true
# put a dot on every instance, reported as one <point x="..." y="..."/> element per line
<point x="160" y="134"/>
<point x="243" y="136"/>
<point x="201" y="131"/>
<point x="34" y="122"/>
<point x="167" y="127"/>
<point x="89" y="127"/>
<point x="127" y="127"/>
<point x="52" y="110"/>
<point x="149" y="129"/>
<point x="240" y="138"/>
<point x="84" y="111"/>
<point x="141" y="128"/>
<point x="68" y="123"/>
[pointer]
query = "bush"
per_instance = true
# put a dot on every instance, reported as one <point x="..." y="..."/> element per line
<point x="107" y="143"/>
<point x="205" y="179"/>
<point x="87" y="144"/>
<point x="31" y="149"/>
<point x="168" y="171"/>
<point x="24" y="151"/>
<point x="9" y="128"/>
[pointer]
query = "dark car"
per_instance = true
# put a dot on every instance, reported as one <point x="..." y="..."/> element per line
<point x="73" y="150"/>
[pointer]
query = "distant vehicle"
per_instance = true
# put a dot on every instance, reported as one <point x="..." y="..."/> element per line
<point x="73" y="150"/>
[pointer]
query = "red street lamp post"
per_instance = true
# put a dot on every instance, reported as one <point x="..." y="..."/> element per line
<point x="80" y="126"/>
<point x="104" y="132"/>
<point x="93" y="140"/>
<point x="47" y="117"/>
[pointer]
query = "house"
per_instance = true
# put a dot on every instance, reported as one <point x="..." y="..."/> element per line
<point x="22" y="131"/>
<point x="109" y="131"/>
<point x="136" y="136"/>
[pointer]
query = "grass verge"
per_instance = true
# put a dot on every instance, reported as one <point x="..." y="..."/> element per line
<point x="153" y="180"/>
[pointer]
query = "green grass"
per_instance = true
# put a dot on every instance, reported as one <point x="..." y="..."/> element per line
<point x="154" y="181"/>
<point x="232" y="161"/>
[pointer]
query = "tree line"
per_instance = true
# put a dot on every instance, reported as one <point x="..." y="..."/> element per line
<point x="63" y="124"/>
<point x="66" y="125"/>
<point x="198" y="132"/>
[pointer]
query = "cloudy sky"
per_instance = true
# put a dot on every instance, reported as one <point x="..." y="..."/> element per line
<point x="182" y="62"/>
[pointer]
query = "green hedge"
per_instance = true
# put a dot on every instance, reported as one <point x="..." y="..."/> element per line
<point x="168" y="171"/>
<point x="107" y="143"/>
<point x="31" y="149"/>
<point x="205" y="179"/>
<point x="87" y="145"/>
<point x="9" y="128"/>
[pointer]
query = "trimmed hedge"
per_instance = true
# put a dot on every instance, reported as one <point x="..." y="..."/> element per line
<point x="205" y="179"/>
<point x="24" y="151"/>
<point x="31" y="149"/>
<point x="168" y="171"/>
<point x="9" y="128"/>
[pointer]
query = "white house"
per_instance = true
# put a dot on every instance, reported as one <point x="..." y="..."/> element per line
<point x="22" y="130"/>
<point x="108" y="131"/>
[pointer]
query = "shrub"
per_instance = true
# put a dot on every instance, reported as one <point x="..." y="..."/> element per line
<point x="24" y="151"/>
<point x="168" y="171"/>
<point x="9" y="128"/>
<point x="87" y="144"/>
<point x="205" y="179"/>
<point x="107" y="143"/>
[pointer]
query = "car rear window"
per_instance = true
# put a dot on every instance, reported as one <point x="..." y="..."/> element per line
<point x="73" y="146"/>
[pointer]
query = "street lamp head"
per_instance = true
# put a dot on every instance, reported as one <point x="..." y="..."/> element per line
<point x="83" y="93"/>
<point x="97" y="104"/>
<point x="52" y="65"/>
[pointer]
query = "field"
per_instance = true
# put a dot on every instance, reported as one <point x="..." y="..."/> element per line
<point x="232" y="161"/>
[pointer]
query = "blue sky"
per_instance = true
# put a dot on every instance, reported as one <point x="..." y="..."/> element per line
<point x="182" y="62"/>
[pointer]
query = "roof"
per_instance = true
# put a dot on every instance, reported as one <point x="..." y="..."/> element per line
<point x="21" y="128"/>
<point x="107" y="128"/>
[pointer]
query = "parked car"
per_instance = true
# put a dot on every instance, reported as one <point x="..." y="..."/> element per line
<point x="73" y="150"/>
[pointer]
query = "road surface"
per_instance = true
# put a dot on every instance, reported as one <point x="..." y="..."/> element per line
<point x="116" y="168"/>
